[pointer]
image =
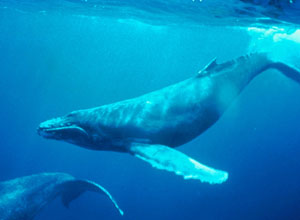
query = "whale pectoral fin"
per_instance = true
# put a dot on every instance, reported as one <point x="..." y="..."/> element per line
<point x="166" y="158"/>
<point x="72" y="189"/>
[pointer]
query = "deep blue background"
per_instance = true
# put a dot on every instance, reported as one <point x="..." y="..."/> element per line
<point x="53" y="63"/>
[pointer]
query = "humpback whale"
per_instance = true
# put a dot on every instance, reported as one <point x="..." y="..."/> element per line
<point x="152" y="125"/>
<point x="22" y="198"/>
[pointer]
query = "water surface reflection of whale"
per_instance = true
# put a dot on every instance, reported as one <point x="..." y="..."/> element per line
<point x="150" y="126"/>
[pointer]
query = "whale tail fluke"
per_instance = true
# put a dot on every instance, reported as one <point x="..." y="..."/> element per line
<point x="285" y="69"/>
<point x="72" y="189"/>
<point x="166" y="158"/>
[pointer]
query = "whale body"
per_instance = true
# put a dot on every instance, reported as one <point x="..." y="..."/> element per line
<point x="22" y="198"/>
<point x="152" y="125"/>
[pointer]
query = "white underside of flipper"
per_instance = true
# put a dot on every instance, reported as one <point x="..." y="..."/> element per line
<point x="166" y="158"/>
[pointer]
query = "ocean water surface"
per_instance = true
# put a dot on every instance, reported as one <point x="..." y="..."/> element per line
<point x="61" y="56"/>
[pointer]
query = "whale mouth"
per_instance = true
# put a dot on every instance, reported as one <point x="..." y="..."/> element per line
<point x="55" y="129"/>
<point x="59" y="133"/>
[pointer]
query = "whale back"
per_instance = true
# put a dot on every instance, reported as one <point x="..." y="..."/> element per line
<point x="241" y="68"/>
<point x="25" y="196"/>
<point x="22" y="198"/>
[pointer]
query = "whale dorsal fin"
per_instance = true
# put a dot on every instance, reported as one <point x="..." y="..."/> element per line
<point x="211" y="65"/>
<point x="166" y="158"/>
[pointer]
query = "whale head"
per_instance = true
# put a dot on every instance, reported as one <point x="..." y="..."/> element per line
<point x="70" y="128"/>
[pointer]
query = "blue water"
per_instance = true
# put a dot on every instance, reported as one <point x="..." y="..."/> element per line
<point x="55" y="61"/>
<point x="211" y="12"/>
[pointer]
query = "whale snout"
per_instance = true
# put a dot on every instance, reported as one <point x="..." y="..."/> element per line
<point x="51" y="128"/>
<point x="63" y="128"/>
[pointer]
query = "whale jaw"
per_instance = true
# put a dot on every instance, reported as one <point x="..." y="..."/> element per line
<point x="62" y="129"/>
